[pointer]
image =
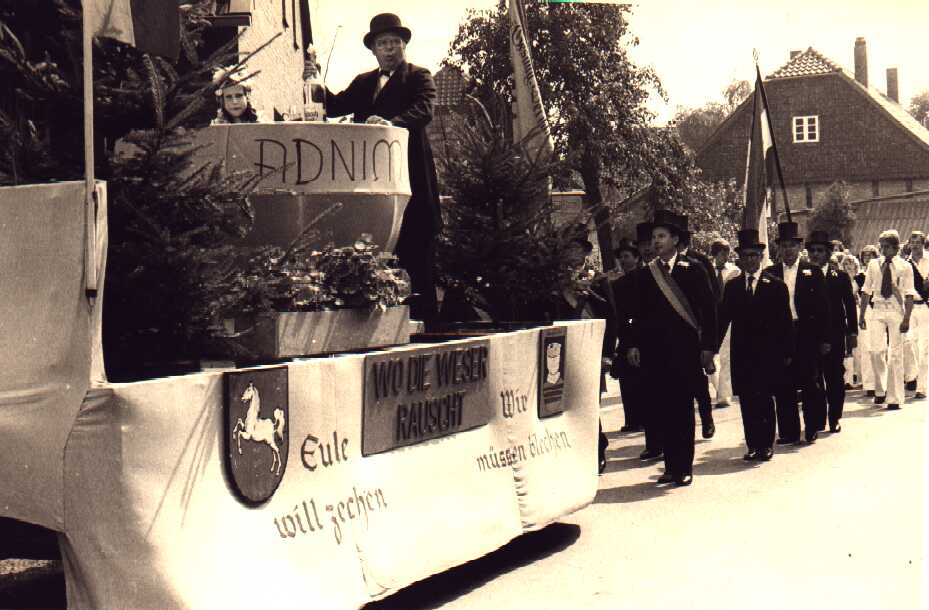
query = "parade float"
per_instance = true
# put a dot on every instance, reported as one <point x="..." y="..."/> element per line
<point x="337" y="464"/>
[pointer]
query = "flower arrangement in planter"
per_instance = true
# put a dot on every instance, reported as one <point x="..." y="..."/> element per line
<point x="284" y="303"/>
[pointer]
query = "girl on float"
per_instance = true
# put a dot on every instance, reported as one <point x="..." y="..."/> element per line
<point x="233" y="103"/>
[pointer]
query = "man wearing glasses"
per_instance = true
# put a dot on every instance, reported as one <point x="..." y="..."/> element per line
<point x="843" y="333"/>
<point x="399" y="93"/>
<point x="888" y="285"/>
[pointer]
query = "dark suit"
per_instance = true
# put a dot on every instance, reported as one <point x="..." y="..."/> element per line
<point x="762" y="338"/>
<point x="812" y="330"/>
<point x="631" y="382"/>
<point x="843" y="321"/>
<point x="703" y="392"/>
<point x="670" y="354"/>
<point x="406" y="100"/>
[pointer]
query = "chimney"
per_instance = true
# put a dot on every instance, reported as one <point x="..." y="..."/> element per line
<point x="793" y="54"/>
<point x="861" y="61"/>
<point x="893" y="91"/>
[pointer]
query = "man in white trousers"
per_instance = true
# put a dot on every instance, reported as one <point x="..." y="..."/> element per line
<point x="888" y="284"/>
<point x="919" y="327"/>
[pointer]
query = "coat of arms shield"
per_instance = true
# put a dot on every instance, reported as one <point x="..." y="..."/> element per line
<point x="256" y="434"/>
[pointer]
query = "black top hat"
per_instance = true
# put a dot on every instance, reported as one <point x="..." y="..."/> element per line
<point x="820" y="238"/>
<point x="669" y="220"/>
<point x="386" y="22"/>
<point x="748" y="238"/>
<point x="788" y="231"/>
<point x="627" y="245"/>
<point x="643" y="232"/>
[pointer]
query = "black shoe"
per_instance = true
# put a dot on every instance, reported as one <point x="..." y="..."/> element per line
<point x="602" y="465"/>
<point x="879" y="400"/>
<point x="869" y="393"/>
<point x="918" y="396"/>
<point x="893" y="407"/>
<point x="766" y="454"/>
<point x="787" y="441"/>
<point x="911" y="386"/>
<point x="627" y="429"/>
<point x="650" y="454"/>
<point x="721" y="405"/>
<point x="666" y="478"/>
<point x="709" y="430"/>
<point x="683" y="480"/>
<point x="751" y="456"/>
<point x="811" y="438"/>
<point x="835" y="428"/>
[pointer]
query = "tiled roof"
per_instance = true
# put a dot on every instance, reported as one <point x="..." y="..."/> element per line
<point x="904" y="215"/>
<point x="808" y="63"/>
<point x="450" y="86"/>
<point x="813" y="63"/>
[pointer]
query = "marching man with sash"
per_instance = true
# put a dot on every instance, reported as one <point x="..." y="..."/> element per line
<point x="672" y="336"/>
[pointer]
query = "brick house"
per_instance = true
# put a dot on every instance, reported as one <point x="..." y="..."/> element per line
<point x="831" y="125"/>
<point x="279" y="84"/>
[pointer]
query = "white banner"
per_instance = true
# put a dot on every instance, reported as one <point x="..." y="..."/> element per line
<point x="152" y="519"/>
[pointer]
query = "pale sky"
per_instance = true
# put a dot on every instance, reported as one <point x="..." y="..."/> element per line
<point x="696" y="46"/>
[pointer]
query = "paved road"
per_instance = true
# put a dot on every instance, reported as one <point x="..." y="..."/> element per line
<point x="836" y="525"/>
<point x="839" y="525"/>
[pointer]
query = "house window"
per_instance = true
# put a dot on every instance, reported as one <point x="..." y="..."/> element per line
<point x="809" y="196"/>
<point x="231" y="13"/>
<point x="806" y="129"/>
<point x="909" y="185"/>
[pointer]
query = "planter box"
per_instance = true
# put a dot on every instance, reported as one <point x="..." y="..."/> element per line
<point x="299" y="333"/>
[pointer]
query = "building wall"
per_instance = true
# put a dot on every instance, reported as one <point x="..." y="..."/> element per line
<point x="280" y="82"/>
<point x="859" y="141"/>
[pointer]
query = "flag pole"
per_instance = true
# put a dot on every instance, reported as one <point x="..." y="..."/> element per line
<point x="90" y="200"/>
<point x="777" y="157"/>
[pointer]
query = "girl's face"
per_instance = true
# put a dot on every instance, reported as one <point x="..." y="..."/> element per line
<point x="235" y="101"/>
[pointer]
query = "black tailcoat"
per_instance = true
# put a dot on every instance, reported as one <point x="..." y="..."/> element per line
<point x="811" y="304"/>
<point x="707" y="264"/>
<point x="843" y="313"/>
<point x="762" y="335"/>
<point x="669" y="347"/>
<point x="406" y="100"/>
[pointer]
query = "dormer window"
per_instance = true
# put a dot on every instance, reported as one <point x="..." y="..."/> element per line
<point x="806" y="129"/>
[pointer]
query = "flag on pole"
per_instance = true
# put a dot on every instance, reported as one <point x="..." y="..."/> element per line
<point x="152" y="26"/>
<point x="762" y="167"/>
<point x="530" y="113"/>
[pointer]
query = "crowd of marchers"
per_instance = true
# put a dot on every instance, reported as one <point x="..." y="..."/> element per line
<point x="786" y="337"/>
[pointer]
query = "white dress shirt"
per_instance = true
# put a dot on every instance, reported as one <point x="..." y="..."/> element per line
<point x="901" y="274"/>
<point x="790" y="278"/>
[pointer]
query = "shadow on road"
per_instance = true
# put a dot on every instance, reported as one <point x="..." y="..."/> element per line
<point x="631" y="493"/>
<point x="437" y="590"/>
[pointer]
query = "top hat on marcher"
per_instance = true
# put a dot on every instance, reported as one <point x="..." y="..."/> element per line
<point x="627" y="245"/>
<point x="386" y="22"/>
<point x="670" y="221"/>
<point x="820" y="238"/>
<point x="643" y="232"/>
<point x="788" y="231"/>
<point x="749" y="239"/>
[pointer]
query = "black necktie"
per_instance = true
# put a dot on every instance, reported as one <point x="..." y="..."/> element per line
<point x="665" y="266"/>
<point x="887" y="289"/>
<point x="385" y="73"/>
<point x="751" y="280"/>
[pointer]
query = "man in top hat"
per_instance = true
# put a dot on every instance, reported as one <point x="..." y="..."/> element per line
<point x="672" y="336"/>
<point x="756" y="305"/>
<point x="402" y="94"/>
<point x="723" y="271"/>
<point x="643" y="239"/>
<point x="843" y="327"/>
<point x="704" y="405"/>
<point x="888" y="285"/>
<point x="809" y="310"/>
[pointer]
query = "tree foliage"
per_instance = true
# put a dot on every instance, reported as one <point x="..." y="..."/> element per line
<point x="696" y="125"/>
<point x="834" y="215"/>
<point x="919" y="107"/>
<point x="500" y="249"/>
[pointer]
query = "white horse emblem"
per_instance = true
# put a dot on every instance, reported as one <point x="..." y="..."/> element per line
<point x="257" y="429"/>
